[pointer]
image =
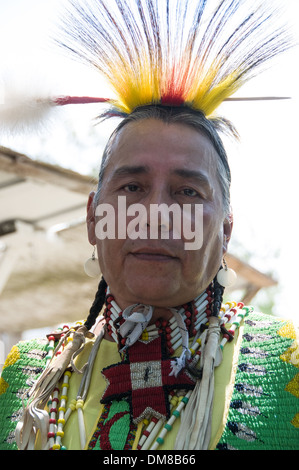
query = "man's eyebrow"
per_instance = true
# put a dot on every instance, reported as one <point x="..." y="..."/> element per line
<point x="192" y="174"/>
<point x="130" y="170"/>
<point x="144" y="169"/>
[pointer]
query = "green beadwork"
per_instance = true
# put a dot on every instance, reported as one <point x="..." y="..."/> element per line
<point x="114" y="430"/>
<point x="26" y="362"/>
<point x="261" y="412"/>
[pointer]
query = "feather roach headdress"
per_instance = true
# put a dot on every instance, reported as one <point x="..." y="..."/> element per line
<point x="194" y="53"/>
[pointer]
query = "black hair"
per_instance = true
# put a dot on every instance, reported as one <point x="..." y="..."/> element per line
<point x="218" y="292"/>
<point x="97" y="305"/>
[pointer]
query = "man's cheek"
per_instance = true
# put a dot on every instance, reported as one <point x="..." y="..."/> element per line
<point x="192" y="223"/>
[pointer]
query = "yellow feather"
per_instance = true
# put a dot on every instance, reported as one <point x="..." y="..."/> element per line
<point x="209" y="96"/>
<point x="135" y="86"/>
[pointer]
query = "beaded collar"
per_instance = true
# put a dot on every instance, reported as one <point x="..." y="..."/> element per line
<point x="194" y="315"/>
<point x="154" y="428"/>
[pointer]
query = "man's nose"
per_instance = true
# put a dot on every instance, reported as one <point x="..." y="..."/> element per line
<point x="158" y="215"/>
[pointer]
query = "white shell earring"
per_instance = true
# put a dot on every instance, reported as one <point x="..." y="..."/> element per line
<point x="226" y="276"/>
<point x="91" y="266"/>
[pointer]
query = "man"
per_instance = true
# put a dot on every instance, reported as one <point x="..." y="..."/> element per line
<point x="168" y="366"/>
<point x="151" y="161"/>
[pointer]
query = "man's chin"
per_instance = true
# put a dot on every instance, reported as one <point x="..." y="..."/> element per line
<point x="158" y="292"/>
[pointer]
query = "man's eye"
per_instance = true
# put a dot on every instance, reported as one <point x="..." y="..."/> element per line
<point x="132" y="188"/>
<point x="190" y="192"/>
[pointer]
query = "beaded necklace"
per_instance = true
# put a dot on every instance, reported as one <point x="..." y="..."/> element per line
<point x="173" y="331"/>
<point x="153" y="430"/>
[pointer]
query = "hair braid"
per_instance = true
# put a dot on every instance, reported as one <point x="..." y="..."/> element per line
<point x="218" y="297"/>
<point x="97" y="305"/>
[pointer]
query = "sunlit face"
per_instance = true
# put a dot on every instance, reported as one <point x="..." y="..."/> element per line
<point x="153" y="163"/>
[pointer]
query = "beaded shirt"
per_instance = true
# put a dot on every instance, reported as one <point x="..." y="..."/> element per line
<point x="256" y="402"/>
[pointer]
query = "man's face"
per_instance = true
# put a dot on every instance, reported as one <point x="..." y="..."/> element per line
<point x="155" y="163"/>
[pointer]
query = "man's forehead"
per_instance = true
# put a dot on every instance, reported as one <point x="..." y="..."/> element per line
<point x="155" y="130"/>
<point x="154" y="142"/>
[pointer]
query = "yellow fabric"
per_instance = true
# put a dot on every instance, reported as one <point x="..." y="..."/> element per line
<point x="224" y="386"/>
<point x="108" y="354"/>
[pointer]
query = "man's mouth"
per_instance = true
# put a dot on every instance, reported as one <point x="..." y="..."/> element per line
<point x="150" y="254"/>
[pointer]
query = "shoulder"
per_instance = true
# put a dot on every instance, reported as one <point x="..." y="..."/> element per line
<point x="264" y="406"/>
<point x="23" y="365"/>
<point x="277" y="336"/>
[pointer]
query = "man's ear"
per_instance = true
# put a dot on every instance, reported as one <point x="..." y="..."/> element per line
<point x="90" y="219"/>
<point x="227" y="231"/>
